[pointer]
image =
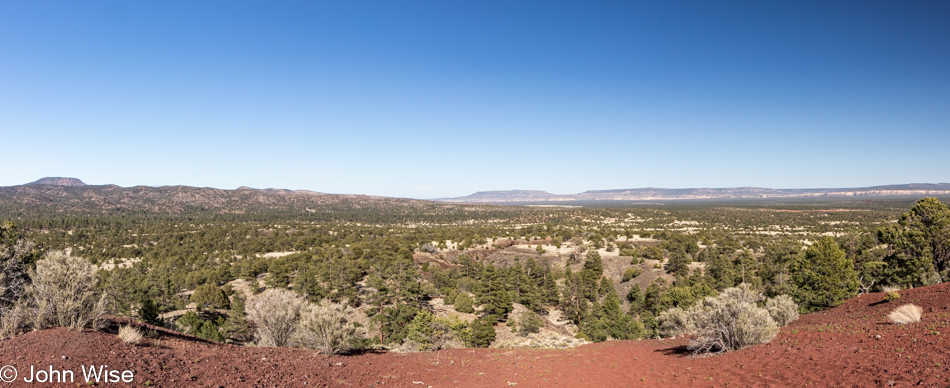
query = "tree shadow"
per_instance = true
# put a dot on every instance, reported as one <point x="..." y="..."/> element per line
<point x="681" y="351"/>
<point x="360" y="352"/>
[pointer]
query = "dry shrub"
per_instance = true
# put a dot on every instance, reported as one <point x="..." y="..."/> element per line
<point x="275" y="313"/>
<point x="906" y="314"/>
<point x="130" y="334"/>
<point x="14" y="320"/>
<point x="890" y="288"/>
<point x="63" y="293"/>
<point x="782" y="309"/>
<point x="731" y="321"/>
<point x="325" y="326"/>
<point x="675" y="321"/>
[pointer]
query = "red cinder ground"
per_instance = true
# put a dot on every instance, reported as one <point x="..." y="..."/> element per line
<point x="852" y="345"/>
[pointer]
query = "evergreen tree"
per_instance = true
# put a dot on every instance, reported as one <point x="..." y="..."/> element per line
<point x="919" y="245"/>
<point x="236" y="325"/>
<point x="635" y="297"/>
<point x="149" y="312"/>
<point x="721" y="270"/>
<point x="678" y="264"/>
<point x="483" y="331"/>
<point x="492" y="294"/>
<point x="823" y="276"/>
<point x="573" y="301"/>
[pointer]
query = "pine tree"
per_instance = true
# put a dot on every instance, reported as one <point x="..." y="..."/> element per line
<point x="492" y="294"/>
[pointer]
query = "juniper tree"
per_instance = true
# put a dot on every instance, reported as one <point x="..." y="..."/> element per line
<point x="823" y="277"/>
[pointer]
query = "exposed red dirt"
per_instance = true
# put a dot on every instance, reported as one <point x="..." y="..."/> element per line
<point x="839" y="347"/>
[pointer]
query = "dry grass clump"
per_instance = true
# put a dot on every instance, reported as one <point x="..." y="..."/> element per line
<point x="906" y="314"/>
<point x="130" y="334"/>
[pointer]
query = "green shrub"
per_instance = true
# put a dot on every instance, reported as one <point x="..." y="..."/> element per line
<point x="464" y="303"/>
<point x="210" y="296"/>
<point x="892" y="295"/>
<point x="631" y="273"/>
<point x="429" y="332"/>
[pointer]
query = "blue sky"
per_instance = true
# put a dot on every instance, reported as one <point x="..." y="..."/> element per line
<point x="429" y="99"/>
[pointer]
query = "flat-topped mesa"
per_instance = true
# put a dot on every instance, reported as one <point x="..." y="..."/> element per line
<point x="59" y="181"/>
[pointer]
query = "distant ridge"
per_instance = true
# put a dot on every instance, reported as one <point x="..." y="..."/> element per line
<point x="734" y="193"/>
<point x="59" y="181"/>
<point x="54" y="197"/>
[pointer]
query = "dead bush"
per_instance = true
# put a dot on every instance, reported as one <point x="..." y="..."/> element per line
<point x="63" y="293"/>
<point x="906" y="314"/>
<point x="731" y="321"/>
<point x="325" y="326"/>
<point x="782" y="309"/>
<point x="275" y="313"/>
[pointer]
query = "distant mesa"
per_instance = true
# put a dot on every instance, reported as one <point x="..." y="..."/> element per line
<point x="734" y="193"/>
<point x="58" y="181"/>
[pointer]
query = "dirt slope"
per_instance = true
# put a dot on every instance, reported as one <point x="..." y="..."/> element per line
<point x="839" y="347"/>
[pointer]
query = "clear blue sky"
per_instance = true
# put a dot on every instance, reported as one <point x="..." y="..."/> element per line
<point x="441" y="98"/>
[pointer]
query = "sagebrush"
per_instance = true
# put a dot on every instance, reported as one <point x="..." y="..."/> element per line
<point x="325" y="326"/>
<point x="275" y="313"/>
<point x="731" y="321"/>
<point x="782" y="309"/>
<point x="63" y="293"/>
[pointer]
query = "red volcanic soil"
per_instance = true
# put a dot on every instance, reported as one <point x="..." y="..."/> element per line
<point x="852" y="345"/>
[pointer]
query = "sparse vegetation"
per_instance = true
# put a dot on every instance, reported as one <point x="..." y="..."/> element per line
<point x="480" y="259"/>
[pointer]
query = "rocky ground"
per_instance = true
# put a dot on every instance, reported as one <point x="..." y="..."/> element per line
<point x="852" y="345"/>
